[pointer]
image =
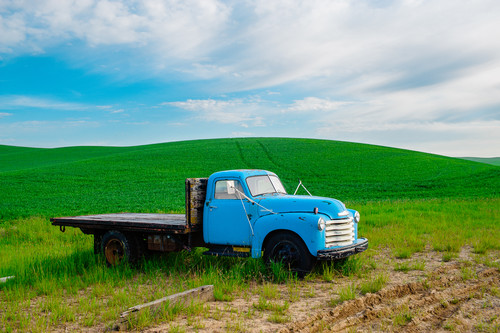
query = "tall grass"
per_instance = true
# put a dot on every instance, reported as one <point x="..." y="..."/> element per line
<point x="52" y="268"/>
<point x="446" y="225"/>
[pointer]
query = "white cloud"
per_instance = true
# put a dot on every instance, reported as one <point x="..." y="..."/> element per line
<point x="42" y="126"/>
<point x="170" y="29"/>
<point x="241" y="134"/>
<point x="365" y="121"/>
<point x="18" y="101"/>
<point x="314" y="104"/>
<point x="208" y="105"/>
<point x="235" y="111"/>
<point x="453" y="139"/>
<point x="323" y="44"/>
<point x="44" y="133"/>
<point x="22" y="102"/>
<point x="467" y="97"/>
<point x="5" y="114"/>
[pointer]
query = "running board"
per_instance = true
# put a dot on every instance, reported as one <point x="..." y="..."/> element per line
<point x="228" y="251"/>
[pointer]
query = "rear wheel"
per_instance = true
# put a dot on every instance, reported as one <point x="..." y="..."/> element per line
<point x="117" y="247"/>
<point x="291" y="251"/>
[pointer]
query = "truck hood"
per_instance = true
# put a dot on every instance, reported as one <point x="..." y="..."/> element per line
<point x="280" y="203"/>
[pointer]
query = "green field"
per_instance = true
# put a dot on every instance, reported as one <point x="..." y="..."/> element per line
<point x="80" y="180"/>
<point x="409" y="202"/>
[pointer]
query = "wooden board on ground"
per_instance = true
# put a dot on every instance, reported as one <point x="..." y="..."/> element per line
<point x="200" y="294"/>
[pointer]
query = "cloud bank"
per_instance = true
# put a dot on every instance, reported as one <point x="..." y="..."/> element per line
<point x="385" y="72"/>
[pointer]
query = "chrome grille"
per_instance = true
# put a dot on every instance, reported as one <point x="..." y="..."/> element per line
<point x="339" y="232"/>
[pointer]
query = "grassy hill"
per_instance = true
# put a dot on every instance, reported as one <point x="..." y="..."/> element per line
<point x="81" y="180"/>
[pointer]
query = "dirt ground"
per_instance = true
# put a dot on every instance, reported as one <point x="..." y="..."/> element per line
<point x="459" y="295"/>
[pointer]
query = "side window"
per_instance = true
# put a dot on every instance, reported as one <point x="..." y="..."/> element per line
<point x="228" y="189"/>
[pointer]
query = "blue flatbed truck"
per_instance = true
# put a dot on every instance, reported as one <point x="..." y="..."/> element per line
<point x="239" y="213"/>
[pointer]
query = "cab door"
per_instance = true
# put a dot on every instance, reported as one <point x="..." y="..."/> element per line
<point x="226" y="219"/>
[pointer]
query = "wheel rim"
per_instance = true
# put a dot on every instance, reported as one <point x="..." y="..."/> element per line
<point x="287" y="253"/>
<point x="114" y="251"/>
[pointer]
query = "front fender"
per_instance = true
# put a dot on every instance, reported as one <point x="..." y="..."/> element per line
<point x="303" y="224"/>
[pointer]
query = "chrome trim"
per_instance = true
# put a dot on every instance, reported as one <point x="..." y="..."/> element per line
<point x="339" y="232"/>
<point x="343" y="252"/>
<point x="344" y="213"/>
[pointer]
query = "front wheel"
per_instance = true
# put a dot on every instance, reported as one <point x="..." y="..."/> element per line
<point x="117" y="247"/>
<point x="290" y="250"/>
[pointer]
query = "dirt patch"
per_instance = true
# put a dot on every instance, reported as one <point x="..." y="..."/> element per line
<point x="420" y="294"/>
<point x="428" y="292"/>
<point x="422" y="306"/>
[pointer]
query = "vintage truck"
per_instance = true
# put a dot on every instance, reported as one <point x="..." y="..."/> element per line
<point x="239" y="213"/>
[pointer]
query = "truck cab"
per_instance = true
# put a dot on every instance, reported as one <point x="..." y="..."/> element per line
<point x="249" y="211"/>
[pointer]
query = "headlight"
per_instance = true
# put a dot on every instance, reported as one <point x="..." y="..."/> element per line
<point x="321" y="224"/>
<point x="356" y="217"/>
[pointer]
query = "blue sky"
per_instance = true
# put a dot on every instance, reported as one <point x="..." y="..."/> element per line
<point x="420" y="75"/>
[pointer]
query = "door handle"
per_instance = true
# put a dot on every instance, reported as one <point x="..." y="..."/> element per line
<point x="212" y="206"/>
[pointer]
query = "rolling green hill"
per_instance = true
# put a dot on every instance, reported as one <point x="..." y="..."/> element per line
<point x="81" y="180"/>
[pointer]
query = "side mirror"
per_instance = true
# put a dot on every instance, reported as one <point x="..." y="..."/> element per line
<point x="230" y="187"/>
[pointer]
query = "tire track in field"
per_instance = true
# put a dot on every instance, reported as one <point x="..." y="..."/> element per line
<point x="242" y="155"/>
<point x="267" y="154"/>
<point x="422" y="306"/>
<point x="284" y="167"/>
<point x="270" y="157"/>
<point x="293" y="171"/>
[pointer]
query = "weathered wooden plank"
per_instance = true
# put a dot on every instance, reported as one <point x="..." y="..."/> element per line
<point x="5" y="279"/>
<point x="195" y="199"/>
<point x="200" y="294"/>
<point x="198" y="184"/>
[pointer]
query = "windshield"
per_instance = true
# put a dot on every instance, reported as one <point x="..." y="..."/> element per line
<point x="259" y="185"/>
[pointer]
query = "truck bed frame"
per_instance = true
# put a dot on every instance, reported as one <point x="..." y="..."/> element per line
<point x="128" y="222"/>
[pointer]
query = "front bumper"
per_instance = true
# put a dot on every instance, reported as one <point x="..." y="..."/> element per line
<point x="344" y="251"/>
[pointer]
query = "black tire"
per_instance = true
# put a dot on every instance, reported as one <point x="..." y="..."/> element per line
<point x="117" y="247"/>
<point x="290" y="250"/>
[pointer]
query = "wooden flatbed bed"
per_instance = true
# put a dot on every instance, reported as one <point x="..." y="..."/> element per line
<point x="141" y="222"/>
<point x="131" y="235"/>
